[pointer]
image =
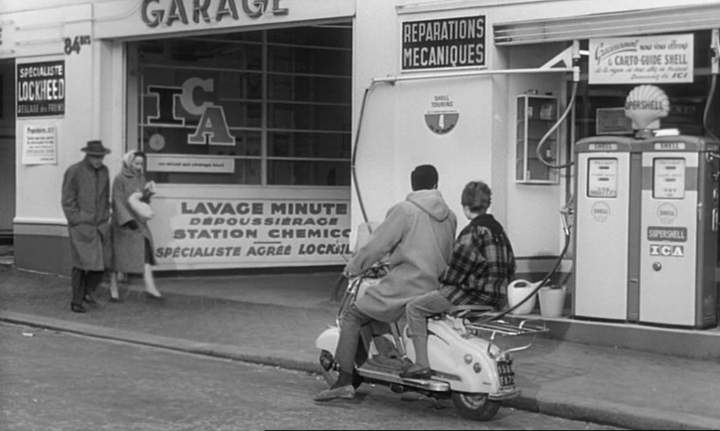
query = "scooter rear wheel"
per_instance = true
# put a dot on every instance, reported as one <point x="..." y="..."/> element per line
<point x="475" y="406"/>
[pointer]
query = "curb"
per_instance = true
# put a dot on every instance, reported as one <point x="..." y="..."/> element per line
<point x="170" y="343"/>
<point x="575" y="408"/>
<point x="614" y="414"/>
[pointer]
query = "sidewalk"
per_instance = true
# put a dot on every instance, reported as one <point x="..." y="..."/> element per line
<point x="274" y="319"/>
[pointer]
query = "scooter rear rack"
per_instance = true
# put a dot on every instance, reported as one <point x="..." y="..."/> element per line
<point x="505" y="328"/>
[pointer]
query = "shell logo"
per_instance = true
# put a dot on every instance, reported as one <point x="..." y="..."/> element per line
<point x="645" y="104"/>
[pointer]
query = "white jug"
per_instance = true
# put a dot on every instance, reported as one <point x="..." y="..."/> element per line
<point x="519" y="290"/>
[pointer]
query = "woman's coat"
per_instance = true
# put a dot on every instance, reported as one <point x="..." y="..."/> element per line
<point x="128" y="244"/>
<point x="85" y="193"/>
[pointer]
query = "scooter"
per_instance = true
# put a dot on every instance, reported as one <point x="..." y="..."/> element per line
<point x="468" y="363"/>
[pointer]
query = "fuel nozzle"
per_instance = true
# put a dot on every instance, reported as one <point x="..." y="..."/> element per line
<point x="566" y="212"/>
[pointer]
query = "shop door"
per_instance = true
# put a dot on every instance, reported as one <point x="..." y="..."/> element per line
<point x="7" y="149"/>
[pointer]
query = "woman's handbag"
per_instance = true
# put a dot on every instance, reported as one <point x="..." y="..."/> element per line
<point x="141" y="209"/>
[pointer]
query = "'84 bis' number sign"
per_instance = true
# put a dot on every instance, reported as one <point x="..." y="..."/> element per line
<point x="74" y="44"/>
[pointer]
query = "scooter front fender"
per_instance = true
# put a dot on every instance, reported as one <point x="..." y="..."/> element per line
<point x="328" y="339"/>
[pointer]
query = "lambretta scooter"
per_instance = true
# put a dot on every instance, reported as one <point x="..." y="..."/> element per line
<point x="468" y="364"/>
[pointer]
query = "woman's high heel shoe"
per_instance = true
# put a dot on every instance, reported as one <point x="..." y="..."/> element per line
<point x="149" y="295"/>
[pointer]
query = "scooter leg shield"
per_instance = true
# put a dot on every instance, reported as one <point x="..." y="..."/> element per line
<point x="328" y="339"/>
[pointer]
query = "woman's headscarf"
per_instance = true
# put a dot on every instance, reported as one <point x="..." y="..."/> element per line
<point x="127" y="163"/>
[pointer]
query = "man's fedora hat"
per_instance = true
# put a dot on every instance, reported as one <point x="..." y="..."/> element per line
<point x="95" y="148"/>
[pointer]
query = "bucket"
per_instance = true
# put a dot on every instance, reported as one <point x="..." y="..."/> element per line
<point x="519" y="290"/>
<point x="552" y="301"/>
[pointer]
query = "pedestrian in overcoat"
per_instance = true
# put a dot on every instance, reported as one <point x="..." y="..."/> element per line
<point x="85" y="202"/>
<point x="132" y="239"/>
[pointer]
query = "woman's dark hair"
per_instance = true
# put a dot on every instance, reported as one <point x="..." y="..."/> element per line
<point x="477" y="196"/>
<point x="140" y="154"/>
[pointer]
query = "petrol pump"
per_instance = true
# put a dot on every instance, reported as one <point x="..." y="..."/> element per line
<point x="678" y="231"/>
<point x="646" y="223"/>
<point x="603" y="226"/>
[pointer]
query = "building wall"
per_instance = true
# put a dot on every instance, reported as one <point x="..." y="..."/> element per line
<point x="393" y="136"/>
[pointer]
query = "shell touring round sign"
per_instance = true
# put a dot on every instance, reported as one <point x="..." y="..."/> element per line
<point x="442" y="116"/>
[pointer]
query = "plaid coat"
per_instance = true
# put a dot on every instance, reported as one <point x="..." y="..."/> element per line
<point x="482" y="264"/>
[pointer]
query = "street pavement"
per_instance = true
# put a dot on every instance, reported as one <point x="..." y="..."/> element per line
<point x="59" y="381"/>
<point x="274" y="319"/>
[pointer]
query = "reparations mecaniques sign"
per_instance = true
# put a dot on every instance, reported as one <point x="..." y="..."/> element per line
<point x="178" y="12"/>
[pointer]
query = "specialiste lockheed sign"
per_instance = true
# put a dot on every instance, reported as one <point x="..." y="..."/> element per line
<point x="41" y="89"/>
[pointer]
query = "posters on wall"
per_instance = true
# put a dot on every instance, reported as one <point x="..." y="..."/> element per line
<point x="41" y="89"/>
<point x="240" y="232"/>
<point x="39" y="145"/>
<point x="648" y="59"/>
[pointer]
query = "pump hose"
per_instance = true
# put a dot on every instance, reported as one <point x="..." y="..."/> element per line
<point x="708" y="102"/>
<point x="354" y="156"/>
<point x="545" y="137"/>
<point x="542" y="283"/>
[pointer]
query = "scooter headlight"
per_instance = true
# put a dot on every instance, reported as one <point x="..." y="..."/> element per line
<point x="467" y="358"/>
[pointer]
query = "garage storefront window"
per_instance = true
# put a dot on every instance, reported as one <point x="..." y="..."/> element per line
<point x="268" y="107"/>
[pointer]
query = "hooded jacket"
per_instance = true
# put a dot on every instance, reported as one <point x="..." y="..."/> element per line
<point x="418" y="234"/>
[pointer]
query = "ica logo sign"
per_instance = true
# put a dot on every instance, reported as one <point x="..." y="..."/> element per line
<point x="667" y="250"/>
<point x="180" y="106"/>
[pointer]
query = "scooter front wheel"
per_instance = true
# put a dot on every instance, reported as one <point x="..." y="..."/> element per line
<point x="475" y="406"/>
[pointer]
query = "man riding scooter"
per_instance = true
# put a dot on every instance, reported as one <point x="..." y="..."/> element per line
<point x="481" y="266"/>
<point x="418" y="235"/>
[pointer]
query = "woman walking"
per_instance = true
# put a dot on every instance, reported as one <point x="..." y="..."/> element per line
<point x="132" y="240"/>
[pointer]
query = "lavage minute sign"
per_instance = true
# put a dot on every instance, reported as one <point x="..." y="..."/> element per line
<point x="170" y="12"/>
<point x="229" y="232"/>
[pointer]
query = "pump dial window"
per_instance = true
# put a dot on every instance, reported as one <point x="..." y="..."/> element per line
<point x="668" y="178"/>
<point x="602" y="177"/>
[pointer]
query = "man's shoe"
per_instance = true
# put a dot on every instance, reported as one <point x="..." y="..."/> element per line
<point x="90" y="299"/>
<point x="78" y="308"/>
<point x="342" y="392"/>
<point x="416" y="372"/>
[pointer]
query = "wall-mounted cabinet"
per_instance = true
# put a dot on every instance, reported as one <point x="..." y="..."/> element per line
<point x="535" y="116"/>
